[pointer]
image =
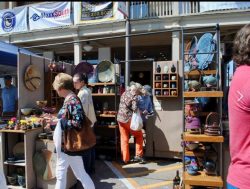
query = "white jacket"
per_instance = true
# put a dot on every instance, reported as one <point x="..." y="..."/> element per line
<point x="87" y="103"/>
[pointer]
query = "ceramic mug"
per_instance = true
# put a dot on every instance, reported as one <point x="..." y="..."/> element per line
<point x="165" y="93"/>
<point x="165" y="85"/>
<point x="173" y="77"/>
<point x="173" y="85"/>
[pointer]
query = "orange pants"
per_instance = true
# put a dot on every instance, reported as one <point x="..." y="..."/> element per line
<point x="124" y="136"/>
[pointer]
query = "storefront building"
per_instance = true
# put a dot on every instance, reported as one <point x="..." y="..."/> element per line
<point x="156" y="34"/>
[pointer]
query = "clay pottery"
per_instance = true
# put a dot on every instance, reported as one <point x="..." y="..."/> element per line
<point x="158" y="69"/>
<point x="21" y="180"/>
<point x="157" y="85"/>
<point x="210" y="167"/>
<point x="173" y="69"/>
<point x="165" y="69"/>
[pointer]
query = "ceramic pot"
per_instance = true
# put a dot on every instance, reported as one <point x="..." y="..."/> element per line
<point x="210" y="167"/>
<point x="157" y="85"/>
<point x="158" y="69"/>
<point x="173" y="69"/>
<point x="165" y="69"/>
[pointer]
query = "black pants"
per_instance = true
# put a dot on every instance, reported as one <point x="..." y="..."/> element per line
<point x="88" y="158"/>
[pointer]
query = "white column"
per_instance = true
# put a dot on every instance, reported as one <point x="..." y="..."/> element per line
<point x="104" y="53"/>
<point x="77" y="53"/>
<point x="176" y="46"/>
<point x="12" y="4"/>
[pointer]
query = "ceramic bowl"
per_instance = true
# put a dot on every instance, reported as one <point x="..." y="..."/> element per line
<point x="12" y="180"/>
<point x="26" y="111"/>
<point x="21" y="180"/>
<point x="42" y="135"/>
<point x="41" y="103"/>
<point x="192" y="145"/>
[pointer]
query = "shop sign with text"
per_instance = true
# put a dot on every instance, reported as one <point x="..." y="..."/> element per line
<point x="49" y="15"/>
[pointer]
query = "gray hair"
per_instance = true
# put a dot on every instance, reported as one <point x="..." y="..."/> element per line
<point x="135" y="86"/>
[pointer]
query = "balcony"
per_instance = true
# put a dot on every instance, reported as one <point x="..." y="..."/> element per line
<point x="147" y="9"/>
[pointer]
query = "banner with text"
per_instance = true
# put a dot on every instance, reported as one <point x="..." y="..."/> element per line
<point x="49" y="15"/>
<point x="88" y="12"/>
<point x="13" y="20"/>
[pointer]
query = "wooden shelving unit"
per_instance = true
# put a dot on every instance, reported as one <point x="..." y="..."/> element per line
<point x="203" y="94"/>
<point x="166" y="83"/>
<point x="106" y="130"/>
<point x="202" y="179"/>
<point x="49" y="93"/>
<point x="202" y="138"/>
<point x="9" y="139"/>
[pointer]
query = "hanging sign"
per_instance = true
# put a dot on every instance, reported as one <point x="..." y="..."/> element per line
<point x="13" y="20"/>
<point x="88" y="12"/>
<point x="49" y="15"/>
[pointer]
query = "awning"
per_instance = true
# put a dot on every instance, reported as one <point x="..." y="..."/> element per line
<point x="9" y="52"/>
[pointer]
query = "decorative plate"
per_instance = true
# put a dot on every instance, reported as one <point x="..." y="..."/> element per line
<point x="206" y="47"/>
<point x="191" y="48"/>
<point x="18" y="150"/>
<point x="83" y="67"/>
<point x="32" y="78"/>
<point x="105" y="71"/>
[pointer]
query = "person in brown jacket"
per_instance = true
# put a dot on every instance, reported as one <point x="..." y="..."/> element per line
<point x="128" y="105"/>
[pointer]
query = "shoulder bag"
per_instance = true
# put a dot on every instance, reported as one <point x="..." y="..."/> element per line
<point x="79" y="139"/>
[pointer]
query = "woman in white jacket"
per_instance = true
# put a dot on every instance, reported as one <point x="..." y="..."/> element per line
<point x="80" y="83"/>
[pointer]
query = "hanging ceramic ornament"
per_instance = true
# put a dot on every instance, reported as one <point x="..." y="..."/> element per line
<point x="165" y="69"/>
<point x="173" y="68"/>
<point x="158" y="69"/>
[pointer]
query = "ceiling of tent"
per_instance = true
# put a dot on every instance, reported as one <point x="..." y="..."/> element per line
<point x="8" y="53"/>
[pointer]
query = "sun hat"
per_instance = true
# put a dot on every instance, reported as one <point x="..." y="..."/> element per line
<point x="148" y="89"/>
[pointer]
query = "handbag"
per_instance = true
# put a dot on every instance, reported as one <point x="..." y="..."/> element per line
<point x="79" y="139"/>
<point x="136" y="121"/>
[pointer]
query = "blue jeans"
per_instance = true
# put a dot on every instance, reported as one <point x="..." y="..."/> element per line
<point x="230" y="186"/>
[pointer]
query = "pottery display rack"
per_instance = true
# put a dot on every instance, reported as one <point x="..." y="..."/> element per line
<point x="202" y="179"/>
<point x="166" y="79"/>
<point x="106" y="127"/>
<point x="9" y="139"/>
<point x="49" y="93"/>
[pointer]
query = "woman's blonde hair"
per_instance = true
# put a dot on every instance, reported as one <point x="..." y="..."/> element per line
<point x="63" y="81"/>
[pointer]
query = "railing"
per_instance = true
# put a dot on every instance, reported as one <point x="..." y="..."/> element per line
<point x="147" y="9"/>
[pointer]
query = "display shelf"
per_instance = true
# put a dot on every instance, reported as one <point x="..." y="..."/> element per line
<point x="197" y="153"/>
<point x="15" y="164"/>
<point x="18" y="131"/>
<point x="203" y="94"/>
<point x="166" y="84"/>
<point x="101" y="94"/>
<point x="101" y="84"/>
<point x="15" y="187"/>
<point x="204" y="72"/>
<point x="202" y="179"/>
<point x="53" y="100"/>
<point x="202" y="137"/>
<point x="106" y="115"/>
<point x="9" y="139"/>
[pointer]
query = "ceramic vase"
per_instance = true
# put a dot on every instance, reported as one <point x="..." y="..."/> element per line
<point x="173" y="69"/>
<point x="158" y="69"/>
<point x="165" y="69"/>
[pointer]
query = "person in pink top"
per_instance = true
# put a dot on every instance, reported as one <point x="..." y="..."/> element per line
<point x="239" y="113"/>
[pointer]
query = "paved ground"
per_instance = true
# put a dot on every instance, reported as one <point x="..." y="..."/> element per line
<point x="155" y="174"/>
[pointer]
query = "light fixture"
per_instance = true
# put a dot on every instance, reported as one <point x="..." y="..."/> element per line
<point x="87" y="47"/>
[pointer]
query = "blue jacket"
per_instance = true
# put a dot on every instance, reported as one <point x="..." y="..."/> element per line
<point x="145" y="103"/>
